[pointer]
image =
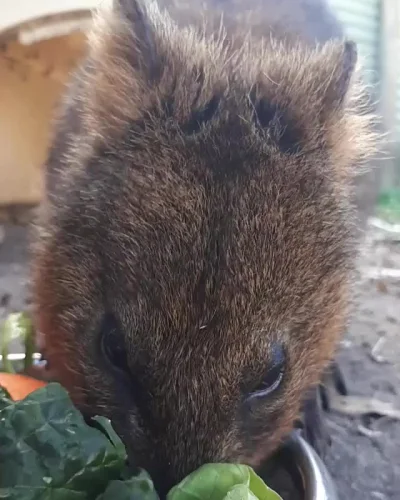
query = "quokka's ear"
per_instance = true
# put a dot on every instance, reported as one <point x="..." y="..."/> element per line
<point x="344" y="65"/>
<point x="124" y="66"/>
<point x="350" y="125"/>
<point x="140" y="47"/>
<point x="317" y="81"/>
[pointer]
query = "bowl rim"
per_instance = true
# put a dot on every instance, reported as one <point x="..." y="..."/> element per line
<point x="317" y="482"/>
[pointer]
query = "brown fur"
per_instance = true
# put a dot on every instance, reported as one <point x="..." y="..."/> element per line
<point x="207" y="243"/>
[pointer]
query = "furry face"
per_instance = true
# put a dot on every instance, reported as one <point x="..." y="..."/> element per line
<point x="195" y="249"/>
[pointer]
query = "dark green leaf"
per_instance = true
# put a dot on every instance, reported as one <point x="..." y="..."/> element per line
<point x="139" y="487"/>
<point x="104" y="425"/>
<point x="48" y="451"/>
<point x="5" y="398"/>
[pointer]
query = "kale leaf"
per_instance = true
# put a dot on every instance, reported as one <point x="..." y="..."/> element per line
<point x="47" y="451"/>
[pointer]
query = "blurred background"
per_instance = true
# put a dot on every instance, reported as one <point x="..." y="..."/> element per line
<point x="41" y="41"/>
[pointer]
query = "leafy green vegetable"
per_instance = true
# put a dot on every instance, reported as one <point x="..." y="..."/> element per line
<point x="137" y="488"/>
<point x="222" y="482"/>
<point x="105" y="426"/>
<point x="5" y="398"/>
<point x="48" y="452"/>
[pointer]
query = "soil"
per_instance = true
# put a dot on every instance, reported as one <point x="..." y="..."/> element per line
<point x="365" y="454"/>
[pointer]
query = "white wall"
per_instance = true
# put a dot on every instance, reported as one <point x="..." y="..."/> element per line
<point x="16" y="12"/>
<point x="31" y="81"/>
<point x="34" y="66"/>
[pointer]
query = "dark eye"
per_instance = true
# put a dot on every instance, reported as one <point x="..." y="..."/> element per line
<point x="273" y="376"/>
<point x="112" y="343"/>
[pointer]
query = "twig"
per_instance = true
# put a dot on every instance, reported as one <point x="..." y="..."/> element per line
<point x="370" y="433"/>
<point x="381" y="272"/>
<point x="385" y="226"/>
<point x="374" y="354"/>
<point x="358" y="405"/>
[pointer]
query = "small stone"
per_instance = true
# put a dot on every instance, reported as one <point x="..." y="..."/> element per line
<point x="378" y="495"/>
<point x="381" y="286"/>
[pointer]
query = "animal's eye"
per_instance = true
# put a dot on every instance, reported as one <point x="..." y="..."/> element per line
<point x="112" y="343"/>
<point x="273" y="376"/>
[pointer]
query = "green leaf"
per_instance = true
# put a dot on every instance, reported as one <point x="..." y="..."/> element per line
<point x="47" y="451"/>
<point x="239" y="492"/>
<point x="222" y="482"/>
<point x="104" y="425"/>
<point x="5" y="398"/>
<point x="4" y="394"/>
<point x="139" y="487"/>
<point x="259" y="488"/>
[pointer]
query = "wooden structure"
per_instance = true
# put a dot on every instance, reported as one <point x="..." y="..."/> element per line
<point x="42" y="40"/>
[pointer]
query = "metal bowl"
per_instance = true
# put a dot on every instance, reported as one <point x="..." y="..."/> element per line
<point x="297" y="463"/>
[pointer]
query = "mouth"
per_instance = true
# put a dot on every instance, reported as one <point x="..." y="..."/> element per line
<point x="283" y="475"/>
<point x="295" y="471"/>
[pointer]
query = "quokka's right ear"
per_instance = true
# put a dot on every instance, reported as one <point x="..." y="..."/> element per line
<point x="341" y="75"/>
<point x="140" y="46"/>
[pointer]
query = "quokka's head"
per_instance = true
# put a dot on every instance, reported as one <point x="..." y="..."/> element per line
<point x="193" y="261"/>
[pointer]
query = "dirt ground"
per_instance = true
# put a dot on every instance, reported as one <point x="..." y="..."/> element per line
<point x="365" y="454"/>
